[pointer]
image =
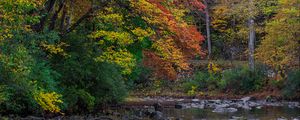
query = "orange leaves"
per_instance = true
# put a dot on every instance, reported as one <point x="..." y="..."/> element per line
<point x="175" y="41"/>
<point x="161" y="68"/>
<point x="191" y="4"/>
<point x="189" y="40"/>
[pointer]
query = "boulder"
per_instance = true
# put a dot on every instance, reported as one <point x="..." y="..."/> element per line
<point x="157" y="115"/>
<point x="195" y="100"/>
<point x="158" y="107"/>
<point x="246" y="99"/>
<point x="225" y="110"/>
<point x="178" y="106"/>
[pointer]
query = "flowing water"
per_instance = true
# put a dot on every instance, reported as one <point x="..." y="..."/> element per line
<point x="265" y="113"/>
<point x="217" y="110"/>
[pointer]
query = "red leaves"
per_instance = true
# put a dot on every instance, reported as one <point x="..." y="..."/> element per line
<point x="172" y="26"/>
<point x="191" y="4"/>
<point x="161" y="69"/>
<point x="189" y="40"/>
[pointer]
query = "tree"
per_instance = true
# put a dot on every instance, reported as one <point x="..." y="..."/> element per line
<point x="174" y="41"/>
<point x="251" y="42"/>
<point x="280" y="47"/>
<point x="207" y="22"/>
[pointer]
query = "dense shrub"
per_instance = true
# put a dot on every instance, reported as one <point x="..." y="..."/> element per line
<point x="242" y="80"/>
<point x="292" y="84"/>
<point x="22" y="75"/>
<point x="87" y="83"/>
<point x="203" y="81"/>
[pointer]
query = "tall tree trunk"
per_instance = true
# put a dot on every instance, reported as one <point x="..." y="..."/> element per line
<point x="49" y="8"/>
<point x="207" y="29"/>
<point x="55" y="16"/>
<point x="63" y="18"/>
<point x="69" y="16"/>
<point x="251" y="37"/>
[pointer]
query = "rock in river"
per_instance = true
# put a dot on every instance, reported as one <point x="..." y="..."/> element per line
<point x="158" y="107"/>
<point x="225" y="110"/>
<point x="178" y="106"/>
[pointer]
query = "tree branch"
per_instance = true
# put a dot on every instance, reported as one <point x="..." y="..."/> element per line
<point x="55" y="15"/>
<point x="81" y="19"/>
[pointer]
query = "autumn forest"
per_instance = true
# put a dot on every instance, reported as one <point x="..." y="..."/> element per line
<point x="66" y="57"/>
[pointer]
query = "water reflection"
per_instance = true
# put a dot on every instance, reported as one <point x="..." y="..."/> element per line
<point x="265" y="113"/>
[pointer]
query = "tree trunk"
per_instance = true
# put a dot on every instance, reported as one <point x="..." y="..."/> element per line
<point x="251" y="37"/>
<point x="63" y="18"/>
<point x="251" y="44"/>
<point x="55" y="16"/>
<point x="207" y="29"/>
<point x="49" y="8"/>
<point x="69" y="16"/>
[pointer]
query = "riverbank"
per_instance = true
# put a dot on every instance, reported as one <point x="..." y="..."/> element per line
<point x="168" y="108"/>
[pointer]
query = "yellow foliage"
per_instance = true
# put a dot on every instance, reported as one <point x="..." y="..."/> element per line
<point x="141" y="33"/>
<point x="121" y="38"/>
<point x="192" y="92"/>
<point x="150" y="11"/>
<point x="111" y="17"/>
<point x="168" y="51"/>
<point x="48" y="101"/>
<point x="55" y="49"/>
<point x="279" y="48"/>
<point x="213" y="68"/>
<point x="120" y="57"/>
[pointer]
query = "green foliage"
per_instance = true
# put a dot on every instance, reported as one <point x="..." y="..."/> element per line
<point x="51" y="62"/>
<point x="242" y="80"/>
<point x="292" y="85"/>
<point x="22" y="74"/>
<point x="192" y="91"/>
<point x="78" y="100"/>
<point x="87" y="83"/>
<point x="203" y="81"/>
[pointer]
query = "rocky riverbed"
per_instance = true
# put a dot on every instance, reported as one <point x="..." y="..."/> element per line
<point x="217" y="107"/>
<point x="166" y="108"/>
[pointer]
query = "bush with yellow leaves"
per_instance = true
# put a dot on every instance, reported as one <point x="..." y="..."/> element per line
<point x="48" y="101"/>
<point x="213" y="68"/>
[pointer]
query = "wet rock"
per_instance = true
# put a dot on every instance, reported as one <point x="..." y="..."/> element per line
<point x="195" y="100"/>
<point x="246" y="107"/>
<point x="232" y="110"/>
<point x="104" y="118"/>
<point x="282" y="118"/>
<point x="296" y="118"/>
<point x="197" y="105"/>
<point x="125" y="117"/>
<point x="293" y="104"/>
<point x="253" y="104"/>
<point x="214" y="101"/>
<point x="246" y="99"/>
<point x="33" y="118"/>
<point x="158" y="107"/>
<point x="116" y="114"/>
<point x="236" y="118"/>
<point x="139" y="113"/>
<point x="149" y="112"/>
<point x="258" y="107"/>
<point x="271" y="99"/>
<point x="222" y="105"/>
<point x="225" y="110"/>
<point x="178" y="119"/>
<point x="178" y="106"/>
<point x="133" y="117"/>
<point x="157" y="115"/>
